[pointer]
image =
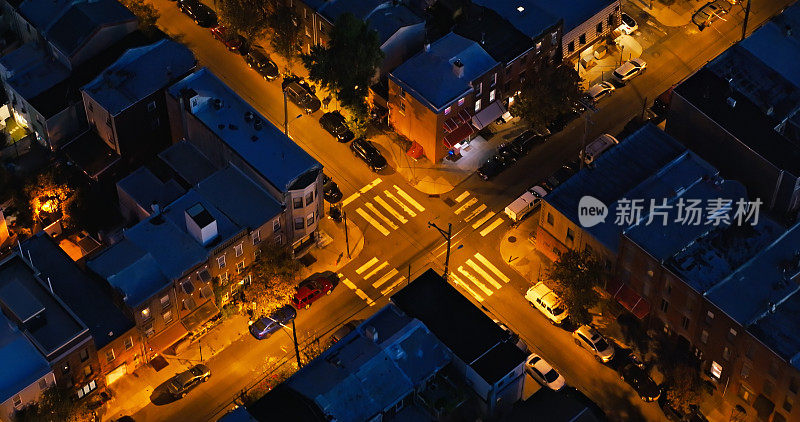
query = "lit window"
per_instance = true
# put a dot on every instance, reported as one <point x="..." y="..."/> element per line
<point x="477" y="105"/>
<point x="145" y="313"/>
<point x="491" y="95"/>
<point x="238" y="249"/>
<point x="704" y="337"/>
<point x="128" y="343"/>
<point x="310" y="220"/>
<point x="221" y="261"/>
<point x="538" y="46"/>
<point x="110" y="356"/>
<point x="239" y="267"/>
<point x="716" y="370"/>
<point x="165" y="302"/>
<point x="256" y="236"/>
<point x="447" y="111"/>
<point x="17" y="400"/>
<point x="167" y="316"/>
<point x="461" y="101"/>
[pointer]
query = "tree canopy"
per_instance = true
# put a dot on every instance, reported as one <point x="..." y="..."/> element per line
<point x="285" y="32"/>
<point x="248" y="17"/>
<point x="347" y="65"/>
<point x="144" y="11"/>
<point x="273" y="278"/>
<point x="55" y="404"/>
<point x="577" y="274"/>
<point x="550" y="94"/>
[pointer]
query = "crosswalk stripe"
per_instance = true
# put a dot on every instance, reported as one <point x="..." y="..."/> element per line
<point x="410" y="200"/>
<point x="492" y="268"/>
<point x="405" y="207"/>
<point x="475" y="212"/>
<point x="364" y="267"/>
<point x="467" y="288"/>
<point x="483" y="219"/>
<point x="466" y="205"/>
<point x="385" y="219"/>
<point x="371" y="185"/>
<point x="463" y="196"/>
<point x="385" y="278"/>
<point x="372" y="221"/>
<point x="492" y="226"/>
<point x="350" y="199"/>
<point x="393" y="285"/>
<point x="376" y="269"/>
<point x="391" y="210"/>
<point x="475" y="281"/>
<point x="483" y="273"/>
<point x="360" y="293"/>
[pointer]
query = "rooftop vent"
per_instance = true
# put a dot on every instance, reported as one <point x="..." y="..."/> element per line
<point x="232" y="126"/>
<point x="371" y="333"/>
<point x="155" y="208"/>
<point x="254" y="138"/>
<point x="248" y="116"/>
<point x="258" y="124"/>
<point x="200" y="224"/>
<point x="427" y="47"/>
<point x="458" y="68"/>
<point x="731" y="102"/>
<point x="520" y="9"/>
<point x="216" y="103"/>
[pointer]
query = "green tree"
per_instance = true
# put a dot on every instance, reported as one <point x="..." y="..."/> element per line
<point x="54" y="405"/>
<point x="348" y="64"/>
<point x="684" y="386"/>
<point x="550" y="94"/>
<point x="145" y="11"/>
<point x="577" y="275"/>
<point x="273" y="278"/>
<point x="285" y="37"/>
<point x="248" y="17"/>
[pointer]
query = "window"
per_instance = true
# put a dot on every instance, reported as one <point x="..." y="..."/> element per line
<point x="309" y="198"/>
<point x="310" y="219"/>
<point x="91" y="106"/>
<point x="167" y="316"/>
<point x="478" y="105"/>
<point x="554" y="38"/>
<point x="447" y="111"/>
<point x="491" y="95"/>
<point x="298" y="202"/>
<point x="582" y="39"/>
<point x="149" y="331"/>
<point x="550" y="219"/>
<point x="461" y="101"/>
<point x="88" y="388"/>
<point x="768" y="388"/>
<point x="17" y="400"/>
<point x="726" y="353"/>
<point x="667" y="288"/>
<point x="538" y="47"/>
<point x="522" y="76"/>
<point x="145" y="313"/>
<point x="238" y="249"/>
<point x="110" y="356"/>
<point x="278" y="239"/>
<point x="320" y="25"/>
<point x="788" y="403"/>
<point x="308" y="32"/>
<point x="128" y="343"/>
<point x="298" y="223"/>
<point x="256" y="237"/>
<point x="570" y="235"/>
<point x="746" y="393"/>
<point x="224" y="277"/>
<point x="664" y="305"/>
<point x="187" y="286"/>
<point x="732" y="335"/>
<point x="239" y="267"/>
<point x="87" y="370"/>
<point x="65" y="368"/>
<point x="151" y="106"/>
<point x="716" y="370"/>
<point x="611" y="20"/>
<point x="494" y="79"/>
<point x="165" y="302"/>
<point x="746" y="370"/>
<point x="84" y="355"/>
<point x="276" y="226"/>
<point x="402" y="92"/>
<point x="402" y="107"/>
<point x="256" y="253"/>
<point x="479" y="89"/>
<point x="221" y="261"/>
<point x="599" y="27"/>
<point x="685" y="322"/>
<point x="43" y="384"/>
<point x="155" y="123"/>
<point x="709" y="317"/>
<point x="704" y="337"/>
<point x="571" y="46"/>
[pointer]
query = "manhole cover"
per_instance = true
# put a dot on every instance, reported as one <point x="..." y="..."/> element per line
<point x="512" y="239"/>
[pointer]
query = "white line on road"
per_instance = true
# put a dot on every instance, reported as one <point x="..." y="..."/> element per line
<point x="385" y="219"/>
<point x="483" y="219"/>
<point x="364" y="267"/>
<point x="360" y="293"/>
<point x="490" y="266"/>
<point x="463" y="196"/>
<point x="475" y="212"/>
<point x="391" y="210"/>
<point x="361" y="191"/>
<point x="475" y="281"/>
<point x="410" y="200"/>
<point x="385" y="278"/>
<point x="372" y="221"/>
<point x="467" y="288"/>
<point x="492" y="226"/>
<point x="483" y="273"/>
<point x="405" y="207"/>
<point x="393" y="285"/>
<point x="466" y="205"/>
<point x="350" y="199"/>
<point x="376" y="269"/>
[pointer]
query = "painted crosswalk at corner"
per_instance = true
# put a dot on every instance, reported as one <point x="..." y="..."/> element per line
<point x="479" y="277"/>
<point x="360" y="293"/>
<point x="386" y="211"/>
<point x="361" y="191"/>
<point x="488" y="229"/>
<point x="471" y="210"/>
<point x="375" y="275"/>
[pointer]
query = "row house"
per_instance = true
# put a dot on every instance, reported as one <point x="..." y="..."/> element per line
<point x="227" y="130"/>
<point x="435" y="96"/>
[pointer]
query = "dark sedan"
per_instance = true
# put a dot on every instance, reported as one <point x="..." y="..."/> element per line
<point x="560" y="176"/>
<point x="267" y="325"/>
<point x="336" y="125"/>
<point x="330" y="190"/>
<point x="368" y="153"/>
<point x="199" y="12"/>
<point x="180" y="384"/>
<point x="647" y="389"/>
<point x="492" y="167"/>
<point x="259" y="60"/>
<point x="300" y="94"/>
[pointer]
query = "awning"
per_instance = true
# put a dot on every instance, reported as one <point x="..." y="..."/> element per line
<point x="450" y="125"/>
<point x="202" y="314"/>
<point x="628" y="298"/>
<point x="166" y="338"/>
<point x="458" y="135"/>
<point x="489" y="114"/>
<point x="464" y="115"/>
<point x="416" y="151"/>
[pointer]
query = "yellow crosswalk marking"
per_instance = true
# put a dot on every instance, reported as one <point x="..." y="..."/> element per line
<point x="364" y="267"/>
<point x="410" y="200"/>
<point x="466" y="287"/>
<point x="475" y="281"/>
<point x="492" y="226"/>
<point x="361" y="191"/>
<point x="393" y="285"/>
<point x="466" y="205"/>
<point x="391" y="210"/>
<point x="385" y="278"/>
<point x="405" y="207"/>
<point x="360" y="293"/>
<point x="463" y="196"/>
<point x="492" y="268"/>
<point x="376" y="269"/>
<point x="372" y="221"/>
<point x="385" y="219"/>
<point x="484" y="274"/>
<point x="483" y="219"/>
<point x="475" y="212"/>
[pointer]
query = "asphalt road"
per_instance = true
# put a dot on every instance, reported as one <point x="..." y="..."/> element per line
<point x="406" y="246"/>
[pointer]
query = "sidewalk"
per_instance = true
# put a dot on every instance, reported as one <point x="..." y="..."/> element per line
<point x="678" y="13"/>
<point x="518" y="249"/>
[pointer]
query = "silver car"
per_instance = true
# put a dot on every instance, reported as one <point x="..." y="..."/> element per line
<point x="630" y="69"/>
<point x="711" y="12"/>
<point x="181" y="383"/>
<point x="600" y="91"/>
<point x="591" y="340"/>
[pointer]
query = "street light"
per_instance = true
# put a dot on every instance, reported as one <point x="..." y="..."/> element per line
<point x="447" y="236"/>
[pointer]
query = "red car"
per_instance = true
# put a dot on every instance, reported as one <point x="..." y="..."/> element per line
<point x="310" y="290"/>
<point x="231" y="39"/>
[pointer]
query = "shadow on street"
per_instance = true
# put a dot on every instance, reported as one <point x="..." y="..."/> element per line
<point x="161" y="395"/>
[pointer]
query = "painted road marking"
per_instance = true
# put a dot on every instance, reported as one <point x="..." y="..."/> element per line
<point x="378" y="268"/>
<point x="350" y="199"/>
<point x="483" y="219"/>
<point x="361" y="191"/>
<point x="475" y="213"/>
<point x="492" y="226"/>
<point x="483" y="273"/>
<point x="391" y="210"/>
<point x="385" y="219"/>
<point x="385" y="278"/>
<point x="466" y="205"/>
<point x="389" y="289"/>
<point x="475" y="281"/>
<point x="364" y="267"/>
<point x="463" y="196"/>
<point x="360" y="293"/>
<point x="372" y="221"/>
<point x="405" y="207"/>
<point x="491" y="267"/>
<point x="467" y="288"/>
<point x="410" y="200"/>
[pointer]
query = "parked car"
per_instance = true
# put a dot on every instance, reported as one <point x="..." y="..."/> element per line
<point x="309" y="291"/>
<point x="492" y="167"/>
<point x="512" y="337"/>
<point x="345" y="329"/>
<point x="526" y="140"/>
<point x="709" y="13"/>
<point x="511" y="151"/>
<point x="181" y="383"/>
<point x="628" y="25"/>
<point x="227" y="36"/>
<point x="199" y="12"/>
<point x="560" y="176"/>
<point x="599" y="91"/>
<point x="630" y="69"/>
<point x="597" y="147"/>
<point x="589" y="338"/>
<point x="560" y="122"/>
<point x="538" y="191"/>
<point x="637" y="377"/>
<point x="258" y="59"/>
<point x="336" y="125"/>
<point x="301" y="95"/>
<point x="267" y="325"/>
<point x="368" y="153"/>
<point x="547" y="302"/>
<point x="542" y="372"/>
<point x="330" y="190"/>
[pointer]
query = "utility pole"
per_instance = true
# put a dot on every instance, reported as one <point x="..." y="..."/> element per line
<point x="447" y="236"/>
<point x="285" y="113"/>
<point x="200" y="345"/>
<point x="746" y="18"/>
<point x="346" y="238"/>
<point x="296" y="347"/>
<point x="587" y="121"/>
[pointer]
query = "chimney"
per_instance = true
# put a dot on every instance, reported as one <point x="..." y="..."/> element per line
<point x="192" y="101"/>
<point x="200" y="224"/>
<point x="371" y="333"/>
<point x="155" y="208"/>
<point x="731" y="102"/>
<point x="427" y="47"/>
<point x="458" y="68"/>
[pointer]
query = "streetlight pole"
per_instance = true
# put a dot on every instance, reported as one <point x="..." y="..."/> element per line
<point x="285" y="113"/>
<point x="746" y="18"/>
<point x="588" y="120"/>
<point x="346" y="238"/>
<point x="296" y="347"/>
<point x="447" y="236"/>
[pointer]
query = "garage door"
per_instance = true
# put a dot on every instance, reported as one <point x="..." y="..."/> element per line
<point x="116" y="374"/>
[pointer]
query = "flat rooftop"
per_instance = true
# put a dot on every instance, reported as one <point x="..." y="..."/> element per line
<point x="23" y="364"/>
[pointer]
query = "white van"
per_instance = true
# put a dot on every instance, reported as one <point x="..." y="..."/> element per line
<point x="597" y="147"/>
<point x="522" y="206"/>
<point x="547" y="302"/>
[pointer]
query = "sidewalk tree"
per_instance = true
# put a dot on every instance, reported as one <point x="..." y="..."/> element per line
<point x="55" y="404"/>
<point x="347" y="65"/>
<point x="145" y="11"/>
<point x="577" y="274"/>
<point x="285" y="33"/>
<point x="273" y="278"/>
<point x="550" y="94"/>
<point x="248" y="17"/>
